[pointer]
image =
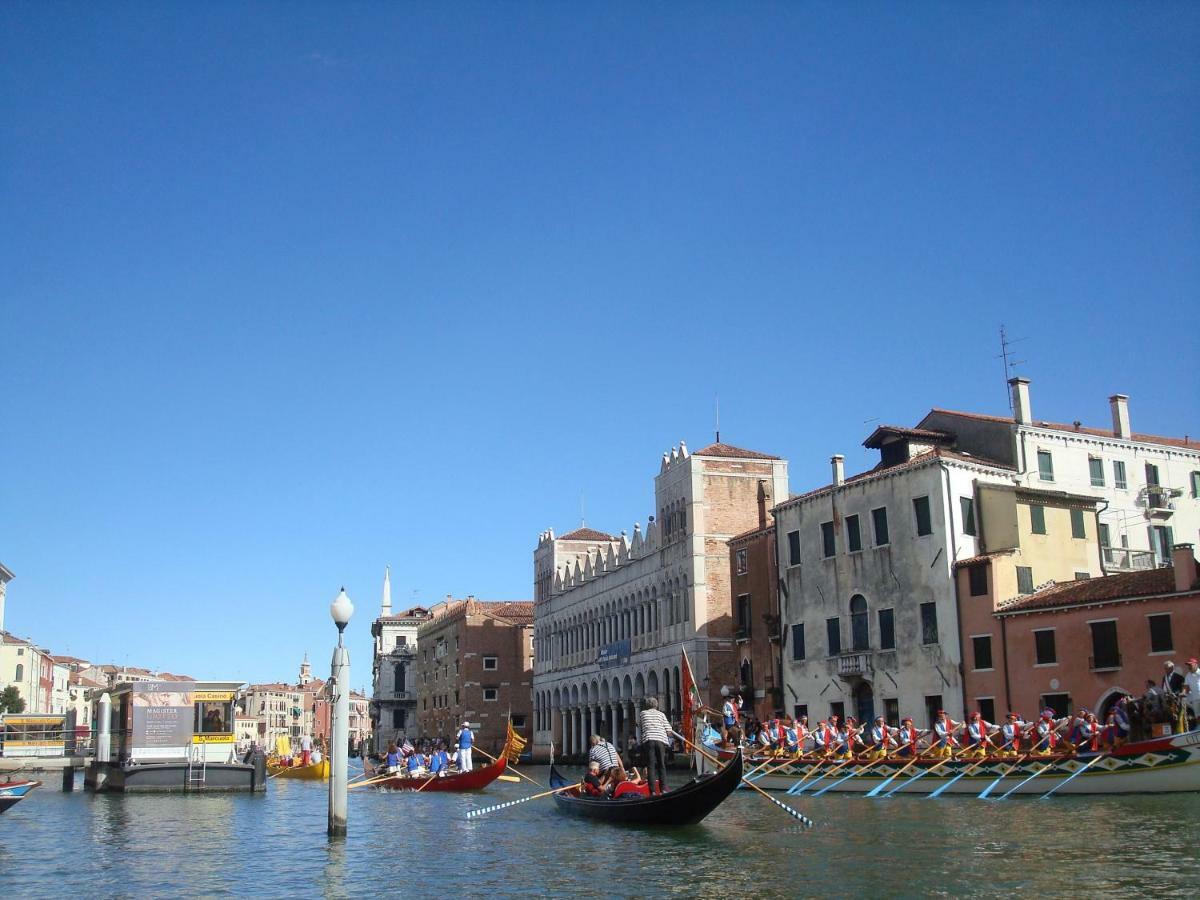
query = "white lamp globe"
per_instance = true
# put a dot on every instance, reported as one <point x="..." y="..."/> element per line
<point x="341" y="609"/>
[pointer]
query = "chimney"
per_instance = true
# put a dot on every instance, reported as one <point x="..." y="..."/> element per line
<point x="1119" y="404"/>
<point x="1020" y="400"/>
<point x="839" y="469"/>
<point x="762" y="503"/>
<point x="1184" y="561"/>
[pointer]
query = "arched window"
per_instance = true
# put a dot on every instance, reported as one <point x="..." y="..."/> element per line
<point x="859" y="630"/>
<point x="20" y="673"/>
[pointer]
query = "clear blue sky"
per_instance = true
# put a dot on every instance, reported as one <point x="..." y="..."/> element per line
<point x="289" y="292"/>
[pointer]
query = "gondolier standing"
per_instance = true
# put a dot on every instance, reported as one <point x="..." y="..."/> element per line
<point x="465" y="740"/>
<point x="656" y="732"/>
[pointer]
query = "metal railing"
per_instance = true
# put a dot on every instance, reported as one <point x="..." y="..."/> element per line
<point x="1125" y="560"/>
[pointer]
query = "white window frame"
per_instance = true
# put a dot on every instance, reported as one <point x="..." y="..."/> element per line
<point x="494" y="667"/>
<point x="741" y="561"/>
<point x="495" y="692"/>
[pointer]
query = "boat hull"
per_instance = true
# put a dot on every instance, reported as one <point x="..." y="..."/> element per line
<point x="475" y="780"/>
<point x="316" y="772"/>
<point x="1161" y="765"/>
<point x="686" y="805"/>
<point x="13" y="792"/>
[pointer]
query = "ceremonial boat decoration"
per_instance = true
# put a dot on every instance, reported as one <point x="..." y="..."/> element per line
<point x="13" y="792"/>
<point x="1168" y="764"/>
<point x="685" y="805"/>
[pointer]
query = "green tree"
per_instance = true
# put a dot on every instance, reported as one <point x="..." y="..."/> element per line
<point x="11" y="700"/>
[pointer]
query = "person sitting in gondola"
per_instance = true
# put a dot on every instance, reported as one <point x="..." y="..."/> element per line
<point x="882" y="738"/>
<point x="709" y="736"/>
<point x="592" y="785"/>
<point x="906" y="739"/>
<point x="978" y="740"/>
<point x="943" y="734"/>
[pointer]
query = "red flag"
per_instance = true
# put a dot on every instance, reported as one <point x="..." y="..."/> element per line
<point x="691" y="697"/>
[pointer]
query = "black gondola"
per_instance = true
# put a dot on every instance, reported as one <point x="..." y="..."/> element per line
<point x="686" y="805"/>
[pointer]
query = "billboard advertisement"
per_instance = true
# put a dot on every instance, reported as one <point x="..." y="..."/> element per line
<point x="614" y="654"/>
<point x="163" y="716"/>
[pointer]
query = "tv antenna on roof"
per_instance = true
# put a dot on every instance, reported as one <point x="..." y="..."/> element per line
<point x="717" y="415"/>
<point x="1010" y="365"/>
<point x="583" y="510"/>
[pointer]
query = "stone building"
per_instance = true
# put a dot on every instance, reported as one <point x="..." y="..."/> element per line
<point x="393" y="706"/>
<point x="754" y="576"/>
<point x="615" y="612"/>
<point x="1150" y="483"/>
<point x="475" y="663"/>
<point x="866" y="590"/>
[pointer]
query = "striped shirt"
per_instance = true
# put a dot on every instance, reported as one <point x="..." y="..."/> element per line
<point x="654" y="726"/>
<point x="605" y="754"/>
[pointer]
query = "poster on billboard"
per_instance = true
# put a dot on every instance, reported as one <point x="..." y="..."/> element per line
<point x="162" y="719"/>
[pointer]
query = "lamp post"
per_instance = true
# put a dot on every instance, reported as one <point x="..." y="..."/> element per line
<point x="339" y="684"/>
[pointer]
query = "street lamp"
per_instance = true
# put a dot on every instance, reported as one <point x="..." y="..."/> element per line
<point x="341" y="609"/>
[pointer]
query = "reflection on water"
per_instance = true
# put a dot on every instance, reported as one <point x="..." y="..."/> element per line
<point x="232" y="845"/>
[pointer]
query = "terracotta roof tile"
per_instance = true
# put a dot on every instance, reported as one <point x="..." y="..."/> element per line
<point x="1124" y="586"/>
<point x="587" y="534"/>
<point x="728" y="450"/>
<point x="982" y="557"/>
<point x="1187" y="441"/>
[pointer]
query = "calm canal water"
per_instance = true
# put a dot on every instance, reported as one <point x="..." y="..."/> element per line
<point x="55" y="844"/>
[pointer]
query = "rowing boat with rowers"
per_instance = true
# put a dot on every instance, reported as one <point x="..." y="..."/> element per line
<point x="1169" y="764"/>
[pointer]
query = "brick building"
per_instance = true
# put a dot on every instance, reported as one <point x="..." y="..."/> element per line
<point x="1085" y="643"/>
<point x="475" y="663"/>
<point x="754" y="576"/>
<point x="614" y="612"/>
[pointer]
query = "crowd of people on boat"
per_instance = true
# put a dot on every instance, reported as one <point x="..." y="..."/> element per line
<point x="609" y="777"/>
<point x="311" y="753"/>
<point x="1175" y="702"/>
<point x="432" y="758"/>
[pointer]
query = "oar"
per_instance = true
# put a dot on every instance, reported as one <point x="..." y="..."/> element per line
<point x="874" y="792"/>
<point x="858" y="771"/>
<point x="1012" y="790"/>
<point x="510" y="778"/>
<point x="423" y="786"/>
<point x="983" y="795"/>
<point x="474" y="813"/>
<point x="790" y="761"/>
<point x="510" y="766"/>
<point x="968" y="770"/>
<point x="749" y="776"/>
<point x="812" y="770"/>
<point x="377" y="778"/>
<point x="1076" y="774"/>
<point x="796" y="792"/>
<point x="787" y="809"/>
<point x="919" y="775"/>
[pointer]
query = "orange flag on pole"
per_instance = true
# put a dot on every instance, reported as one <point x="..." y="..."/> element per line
<point x="690" y="696"/>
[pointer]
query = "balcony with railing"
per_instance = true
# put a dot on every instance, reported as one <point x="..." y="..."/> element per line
<point x="1122" y="559"/>
<point x="394" y="696"/>
<point x="1160" y="502"/>
<point x="854" y="663"/>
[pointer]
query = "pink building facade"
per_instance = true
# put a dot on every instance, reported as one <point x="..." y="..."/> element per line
<point x="1081" y="644"/>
